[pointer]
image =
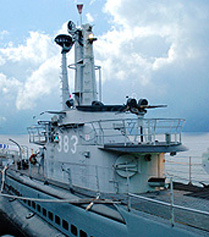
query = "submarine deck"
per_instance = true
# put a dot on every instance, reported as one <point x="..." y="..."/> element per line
<point x="157" y="204"/>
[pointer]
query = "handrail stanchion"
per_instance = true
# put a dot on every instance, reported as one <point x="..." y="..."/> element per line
<point x="154" y="131"/>
<point x="190" y="170"/>
<point x="20" y="152"/>
<point x="172" y="202"/>
<point x="97" y="180"/>
<point x="128" y="184"/>
<point x="125" y="133"/>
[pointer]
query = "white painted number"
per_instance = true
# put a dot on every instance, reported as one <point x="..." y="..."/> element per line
<point x="74" y="145"/>
<point x="59" y="148"/>
<point x="64" y="144"/>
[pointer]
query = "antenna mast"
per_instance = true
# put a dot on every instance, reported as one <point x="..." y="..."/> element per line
<point x="66" y="42"/>
<point x="80" y="7"/>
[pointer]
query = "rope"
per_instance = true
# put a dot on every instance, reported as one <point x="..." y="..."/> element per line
<point x="3" y="178"/>
<point x="73" y="201"/>
<point x="92" y="203"/>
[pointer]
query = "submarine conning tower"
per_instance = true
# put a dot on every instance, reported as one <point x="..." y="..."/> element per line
<point x="85" y="84"/>
<point x="98" y="147"/>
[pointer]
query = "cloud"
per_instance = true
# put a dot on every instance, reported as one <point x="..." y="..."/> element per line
<point x="160" y="48"/>
<point x="156" y="49"/>
<point x="3" y="34"/>
<point x="40" y="83"/>
<point x="162" y="61"/>
<point x="151" y="36"/>
<point x="89" y="17"/>
<point x="35" y="70"/>
<point x="37" y="48"/>
<point x="92" y="2"/>
<point x="9" y="86"/>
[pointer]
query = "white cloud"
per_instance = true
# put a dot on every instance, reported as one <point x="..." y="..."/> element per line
<point x="36" y="63"/>
<point x="2" y="60"/>
<point x="34" y="69"/>
<point x="37" y="49"/>
<point x="9" y="86"/>
<point x="160" y="48"/>
<point x="3" y="34"/>
<point x="148" y="42"/>
<point x="162" y="61"/>
<point x="89" y="17"/>
<point x="92" y="2"/>
<point x="40" y="83"/>
<point x="149" y="36"/>
<point x="63" y="29"/>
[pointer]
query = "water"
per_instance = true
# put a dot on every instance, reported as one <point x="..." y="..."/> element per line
<point x="178" y="166"/>
<point x="20" y="139"/>
<point x="7" y="228"/>
<point x="11" y="147"/>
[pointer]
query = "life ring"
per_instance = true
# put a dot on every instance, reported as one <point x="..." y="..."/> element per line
<point x="32" y="159"/>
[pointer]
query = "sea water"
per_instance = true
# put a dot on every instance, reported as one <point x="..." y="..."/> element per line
<point x="187" y="166"/>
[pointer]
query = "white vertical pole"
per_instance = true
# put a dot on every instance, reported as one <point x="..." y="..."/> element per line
<point x="100" y="85"/>
<point x="190" y="170"/>
<point x="172" y="202"/>
<point x="128" y="183"/>
<point x="64" y="81"/>
<point x="97" y="180"/>
<point x="81" y="18"/>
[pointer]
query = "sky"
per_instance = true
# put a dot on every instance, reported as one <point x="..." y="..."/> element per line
<point x="158" y="50"/>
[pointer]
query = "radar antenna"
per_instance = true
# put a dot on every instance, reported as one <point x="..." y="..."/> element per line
<point x="66" y="42"/>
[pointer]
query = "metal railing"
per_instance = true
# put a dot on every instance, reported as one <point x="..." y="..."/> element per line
<point x="186" y="169"/>
<point x="135" y="131"/>
<point x="38" y="134"/>
<point x="170" y="205"/>
<point x="165" y="207"/>
<point x="125" y="131"/>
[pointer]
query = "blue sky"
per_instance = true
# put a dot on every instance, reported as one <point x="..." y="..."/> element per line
<point x="157" y="50"/>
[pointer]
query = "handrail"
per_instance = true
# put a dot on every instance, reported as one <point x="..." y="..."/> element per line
<point x="139" y="130"/>
<point x="169" y="204"/>
<point x="126" y="131"/>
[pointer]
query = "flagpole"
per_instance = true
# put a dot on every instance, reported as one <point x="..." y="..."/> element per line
<point x="80" y="7"/>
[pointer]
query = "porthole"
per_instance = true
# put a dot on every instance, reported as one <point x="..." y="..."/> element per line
<point x="74" y="230"/>
<point x="44" y="211"/>
<point x="38" y="208"/>
<point x="50" y="215"/>
<point x="57" y="220"/>
<point x="65" y="224"/>
<point x="33" y="205"/>
<point x="83" y="234"/>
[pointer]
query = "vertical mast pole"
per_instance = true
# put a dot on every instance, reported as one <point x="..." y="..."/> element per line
<point x="64" y="80"/>
<point x="85" y="83"/>
<point x="80" y="7"/>
<point x="66" y="43"/>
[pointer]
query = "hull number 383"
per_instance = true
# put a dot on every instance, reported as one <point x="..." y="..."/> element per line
<point x="67" y="144"/>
